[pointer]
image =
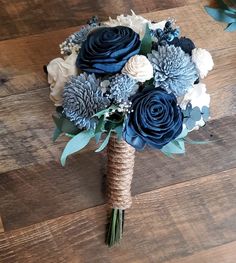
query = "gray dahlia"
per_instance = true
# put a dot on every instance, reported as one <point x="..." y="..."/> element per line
<point x="173" y="69"/>
<point x="121" y="88"/>
<point x="82" y="98"/>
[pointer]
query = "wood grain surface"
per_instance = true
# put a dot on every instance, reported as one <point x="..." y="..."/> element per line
<point x="183" y="209"/>
<point x="165" y="225"/>
<point x="21" y="17"/>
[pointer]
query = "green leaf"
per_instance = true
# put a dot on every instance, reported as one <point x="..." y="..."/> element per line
<point x="231" y="27"/>
<point x="230" y="3"/>
<point x="168" y="154"/>
<point x="220" y="15"/>
<point x="179" y="144"/>
<point x="57" y="118"/>
<point x="222" y="4"/>
<point x="196" y="142"/>
<point x="77" y="143"/>
<point x="100" y="113"/>
<point x="70" y="135"/>
<point x="64" y="124"/>
<point x="230" y="13"/>
<point x="56" y="134"/>
<point x="69" y="127"/>
<point x="104" y="144"/>
<point x="146" y="44"/>
<point x="98" y="136"/>
<point x="100" y="125"/>
<point x="183" y="134"/>
<point x="174" y="147"/>
<point x="119" y="130"/>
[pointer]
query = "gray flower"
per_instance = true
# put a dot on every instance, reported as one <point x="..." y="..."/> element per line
<point x="82" y="98"/>
<point x="173" y="69"/>
<point x="121" y="88"/>
<point x="75" y="40"/>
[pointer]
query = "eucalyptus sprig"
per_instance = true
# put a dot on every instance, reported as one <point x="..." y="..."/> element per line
<point x="224" y="13"/>
<point x="108" y="121"/>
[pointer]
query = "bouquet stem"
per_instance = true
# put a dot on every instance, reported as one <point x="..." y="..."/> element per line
<point x="120" y="169"/>
<point x="115" y="227"/>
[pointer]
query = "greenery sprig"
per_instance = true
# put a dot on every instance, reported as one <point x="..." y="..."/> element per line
<point x="225" y="13"/>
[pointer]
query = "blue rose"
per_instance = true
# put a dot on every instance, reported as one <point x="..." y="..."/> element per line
<point x="155" y="119"/>
<point x="107" y="49"/>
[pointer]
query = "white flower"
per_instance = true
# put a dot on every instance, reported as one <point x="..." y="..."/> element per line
<point x="59" y="70"/>
<point x="198" y="97"/>
<point x="137" y="23"/>
<point x="104" y="85"/>
<point x="139" y="68"/>
<point x="203" y="60"/>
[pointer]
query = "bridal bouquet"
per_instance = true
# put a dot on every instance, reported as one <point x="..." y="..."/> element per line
<point x="128" y="83"/>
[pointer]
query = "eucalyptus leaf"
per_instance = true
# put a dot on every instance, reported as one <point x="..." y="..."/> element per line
<point x="190" y="124"/>
<point x="77" y="143"/>
<point x="146" y="44"/>
<point x="222" y="4"/>
<point x="196" y="142"/>
<point x="168" y="154"/>
<point x="205" y="113"/>
<point x="230" y="13"/>
<point x="195" y="114"/>
<point x="179" y="144"/>
<point x="63" y="124"/>
<point x="98" y="136"/>
<point x="105" y="142"/>
<point x="183" y="134"/>
<point x="220" y="15"/>
<point x="57" y="118"/>
<point x="119" y="131"/>
<point x="70" y="135"/>
<point x="69" y="127"/>
<point x="231" y="27"/>
<point x="173" y="147"/>
<point x="102" y="112"/>
<point x="57" y="132"/>
<point x="100" y="125"/>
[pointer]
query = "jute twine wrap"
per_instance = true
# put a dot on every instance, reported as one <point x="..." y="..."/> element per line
<point x="120" y="170"/>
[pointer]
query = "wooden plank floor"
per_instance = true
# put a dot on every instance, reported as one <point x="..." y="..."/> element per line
<point x="184" y="210"/>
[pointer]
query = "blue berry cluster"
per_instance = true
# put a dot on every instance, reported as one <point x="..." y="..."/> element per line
<point x="93" y="21"/>
<point x="166" y="35"/>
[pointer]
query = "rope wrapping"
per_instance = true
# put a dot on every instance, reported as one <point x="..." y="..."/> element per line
<point x="120" y="168"/>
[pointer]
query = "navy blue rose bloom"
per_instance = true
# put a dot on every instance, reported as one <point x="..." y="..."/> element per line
<point x="155" y="119"/>
<point x="107" y="49"/>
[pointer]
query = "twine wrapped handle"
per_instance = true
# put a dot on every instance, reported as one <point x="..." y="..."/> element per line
<point x="120" y="168"/>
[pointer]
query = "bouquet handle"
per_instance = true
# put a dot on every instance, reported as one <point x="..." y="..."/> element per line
<point x="120" y="168"/>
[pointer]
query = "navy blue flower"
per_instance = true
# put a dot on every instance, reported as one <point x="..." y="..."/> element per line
<point x="186" y="44"/>
<point x="107" y="49"/>
<point x="155" y="119"/>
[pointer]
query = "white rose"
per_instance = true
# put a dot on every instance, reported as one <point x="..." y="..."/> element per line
<point x="137" y="23"/>
<point x="203" y="60"/>
<point x="59" y="70"/>
<point x="198" y="97"/>
<point x="139" y="68"/>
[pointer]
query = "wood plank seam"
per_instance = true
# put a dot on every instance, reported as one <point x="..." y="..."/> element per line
<point x="193" y="181"/>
